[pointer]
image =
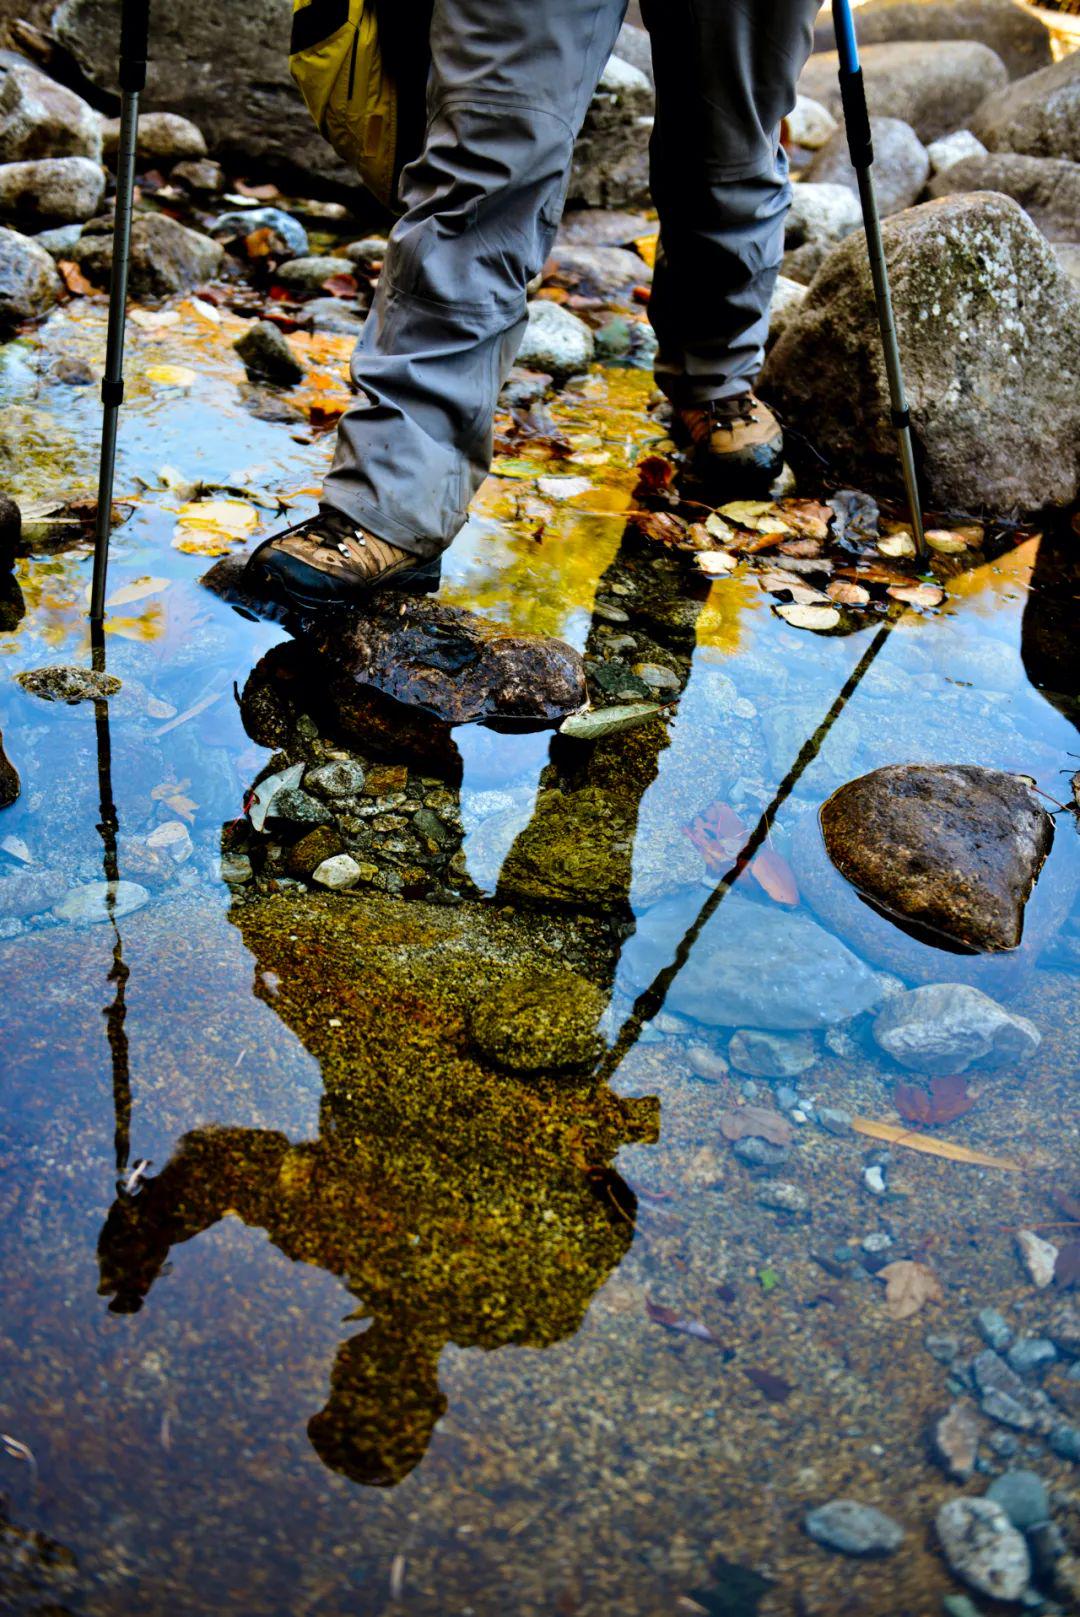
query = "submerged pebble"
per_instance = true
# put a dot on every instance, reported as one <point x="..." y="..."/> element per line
<point x="853" y="1528"/>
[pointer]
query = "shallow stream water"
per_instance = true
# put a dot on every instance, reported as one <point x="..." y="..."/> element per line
<point x="377" y="1328"/>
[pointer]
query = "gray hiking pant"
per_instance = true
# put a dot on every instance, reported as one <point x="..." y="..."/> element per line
<point x="509" y="87"/>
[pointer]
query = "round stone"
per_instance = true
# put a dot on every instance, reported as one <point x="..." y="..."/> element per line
<point x="100" y="901"/>
<point x="854" y="1529"/>
<point x="983" y="1547"/>
<point x="538" y="1024"/>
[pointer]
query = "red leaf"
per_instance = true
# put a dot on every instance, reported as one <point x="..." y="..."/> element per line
<point x="654" y="473"/>
<point x="342" y="285"/>
<point x="718" y="835"/>
<point x="775" y="876"/>
<point x="946" y="1100"/>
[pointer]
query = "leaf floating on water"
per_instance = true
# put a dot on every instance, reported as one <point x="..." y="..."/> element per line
<point x="779" y="582"/>
<point x="138" y="590"/>
<point x="933" y="1148"/>
<point x="755" y="1122"/>
<point x="917" y="594"/>
<point x="564" y="488"/>
<point x="945" y="542"/>
<point x="597" y="723"/>
<point x="818" y="618"/>
<point x="846" y="594"/>
<point x="946" y="1100"/>
<point x="775" y="876"/>
<point x="897" y="544"/>
<point x="759" y="516"/>
<point x="209" y="527"/>
<point x="908" y="1285"/>
<point x="716" y="563"/>
<point x="671" y="1320"/>
<point x="660" y="526"/>
<point x="171" y="375"/>
<point x="809" y="518"/>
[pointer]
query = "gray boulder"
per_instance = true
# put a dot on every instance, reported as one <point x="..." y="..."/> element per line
<point x="752" y="966"/>
<point x="164" y="137"/>
<point x="308" y="276"/>
<point x="1068" y="256"/>
<point x="292" y="239"/>
<point x="555" y="341"/>
<point x="983" y="1548"/>
<point x="611" y="158"/>
<point x="51" y="190"/>
<point x="952" y="149"/>
<point x="989" y="326"/>
<point x="948" y="1027"/>
<point x="953" y="850"/>
<point x="166" y="257"/>
<point x="41" y="119"/>
<point x="199" y="175"/>
<point x="935" y="91"/>
<point x="1048" y="188"/>
<point x="600" y="272"/>
<point x="29" y="281"/>
<point x="820" y="214"/>
<point x="339" y="315"/>
<point x="901" y="165"/>
<point x="634" y="46"/>
<point x="1015" y="33"/>
<point x="267" y="356"/>
<point x="1039" y="115"/>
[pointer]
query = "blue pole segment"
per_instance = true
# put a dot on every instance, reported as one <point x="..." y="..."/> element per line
<point x="846" y="43"/>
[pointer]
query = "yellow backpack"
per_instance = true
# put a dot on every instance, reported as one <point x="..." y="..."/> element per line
<point x="338" y="61"/>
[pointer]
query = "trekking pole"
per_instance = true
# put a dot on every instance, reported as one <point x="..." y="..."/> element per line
<point x="134" y="44"/>
<point x="861" y="147"/>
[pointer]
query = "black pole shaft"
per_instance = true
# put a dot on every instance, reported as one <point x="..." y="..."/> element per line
<point x="134" y="44"/>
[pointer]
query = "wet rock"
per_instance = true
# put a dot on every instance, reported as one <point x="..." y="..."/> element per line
<point x="166" y="257"/>
<point x="173" y="840"/>
<point x="1064" y="1441"/>
<point x="951" y="149"/>
<point x="100" y="901"/>
<point x="235" y="868"/>
<point x="10" y="785"/>
<point x="801" y="264"/>
<point x="29" y="281"/>
<point x="542" y="1023"/>
<point x="29" y="892"/>
<point x="983" y="1548"/>
<point x="948" y="1027"/>
<point x="295" y="806"/>
<point x="953" y="850"/>
<point x="267" y="356"/>
<point x="752" y="967"/>
<point x="340" y="315"/>
<point x="771" y="1055"/>
<point x="758" y="1153"/>
<point x="305" y="856"/>
<point x="66" y="682"/>
<point x="1047" y="188"/>
<point x="39" y="118"/>
<point x="783" y="1197"/>
<point x="599" y="272"/>
<point x="1039" y="115"/>
<point x="810" y="125"/>
<point x="994" y="1329"/>
<point x="935" y="91"/>
<point x="901" y="165"/>
<point x="163" y="138"/>
<point x="611" y="162"/>
<point x="308" y="276"/>
<point x="50" y="191"/>
<point x="1018" y="37"/>
<point x="1063" y="1328"/>
<point x="288" y="236"/>
<point x="1030" y="1354"/>
<point x="854" y="1529"/>
<point x="201" y="176"/>
<point x="989" y="326"/>
<point x="1003" y="1395"/>
<point x="338" y="873"/>
<point x="602" y="227"/>
<point x="342" y="777"/>
<point x="555" y="341"/>
<point x="954" y="1440"/>
<point x="820" y="214"/>
<point x="59" y="242"/>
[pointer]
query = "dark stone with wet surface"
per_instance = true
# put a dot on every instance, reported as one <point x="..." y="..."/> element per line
<point x="953" y="850"/>
<point x="10" y="785"/>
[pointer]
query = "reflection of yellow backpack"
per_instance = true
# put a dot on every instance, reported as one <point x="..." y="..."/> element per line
<point x="336" y="59"/>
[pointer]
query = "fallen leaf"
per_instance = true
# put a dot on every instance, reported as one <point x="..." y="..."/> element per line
<point x="567" y="488"/>
<point x="946" y="1100"/>
<point x="775" y="876"/>
<point x="342" y="285"/>
<point x="806" y="548"/>
<point x="908" y="1285"/>
<point x="818" y="618"/>
<point x="778" y="582"/>
<point x="645" y="247"/>
<point x="655" y="473"/>
<point x="845" y="594"/>
<point x="775" y="1388"/>
<point x="718" y="834"/>
<point x="809" y="518"/>
<point x="917" y="594"/>
<point x="946" y="543"/>
<point x="171" y="375"/>
<point x="755" y="1122"/>
<point x="1067" y="1266"/>
<point x="138" y="590"/>
<point x="897" y="544"/>
<point x="659" y="526"/>
<point x="759" y="516"/>
<point x="933" y="1148"/>
<point x="74" y="279"/>
<point x="259" y="243"/>
<point x="672" y="1321"/>
<point x="719" y="529"/>
<point x="716" y="563"/>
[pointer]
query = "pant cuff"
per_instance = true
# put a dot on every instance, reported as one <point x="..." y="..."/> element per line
<point x="380" y="525"/>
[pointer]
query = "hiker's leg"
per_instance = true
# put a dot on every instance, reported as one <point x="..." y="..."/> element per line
<point x="725" y="72"/>
<point x="510" y="84"/>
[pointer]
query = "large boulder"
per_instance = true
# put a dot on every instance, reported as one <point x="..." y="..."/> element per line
<point x="945" y="1028"/>
<point x="1048" y="188"/>
<point x="29" y="281"/>
<point x="1039" y="115"/>
<point x="989" y="328"/>
<point x="935" y="91"/>
<point x="555" y="341"/>
<point x="611" y="158"/>
<point x="1013" y="31"/>
<point x="39" y="118"/>
<point x="166" y="257"/>
<point x="163" y="137"/>
<point x="951" y="850"/>
<point x="51" y="191"/>
<point x="901" y="164"/>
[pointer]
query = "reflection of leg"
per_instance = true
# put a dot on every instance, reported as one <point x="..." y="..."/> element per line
<point x="383" y="1406"/>
<point x="726" y="72"/>
<point x="508" y="90"/>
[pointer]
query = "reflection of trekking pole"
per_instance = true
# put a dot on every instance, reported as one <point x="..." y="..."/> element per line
<point x="861" y="146"/>
<point x="134" y="43"/>
<point x="116" y="1013"/>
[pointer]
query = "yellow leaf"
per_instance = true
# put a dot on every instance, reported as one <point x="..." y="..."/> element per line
<point x="802" y="616"/>
<point x="907" y="1286"/>
<point x="759" y="516"/>
<point x="209" y="527"/>
<point x="171" y="375"/>
<point x="138" y="590"/>
<point x="897" y="1135"/>
<point x="897" y="544"/>
<point x="645" y="247"/>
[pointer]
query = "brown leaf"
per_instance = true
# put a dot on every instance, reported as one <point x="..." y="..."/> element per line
<point x="655" y="473"/>
<point x="808" y="517"/>
<point x="908" y="1285"/>
<point x="74" y="279"/>
<point x="775" y="1388"/>
<point x="718" y="834"/>
<point x="659" y="526"/>
<point x="259" y="243"/>
<point x="1067" y="1266"/>
<point x="946" y="1099"/>
<point x="342" y="285"/>
<point x="755" y="1122"/>
<point x="846" y="594"/>
<point x="917" y="594"/>
<point x="671" y="1320"/>
<point x="933" y="1148"/>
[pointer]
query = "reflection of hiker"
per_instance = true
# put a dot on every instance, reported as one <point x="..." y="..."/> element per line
<point x="507" y="92"/>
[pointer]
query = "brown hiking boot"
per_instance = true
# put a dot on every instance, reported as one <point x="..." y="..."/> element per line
<point x="737" y="444"/>
<point x="330" y="561"/>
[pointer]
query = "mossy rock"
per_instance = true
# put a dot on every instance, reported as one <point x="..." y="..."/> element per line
<point x="307" y="855"/>
<point x="540" y="1024"/>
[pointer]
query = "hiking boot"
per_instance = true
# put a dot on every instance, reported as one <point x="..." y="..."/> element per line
<point x="736" y="444"/>
<point x="330" y="561"/>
